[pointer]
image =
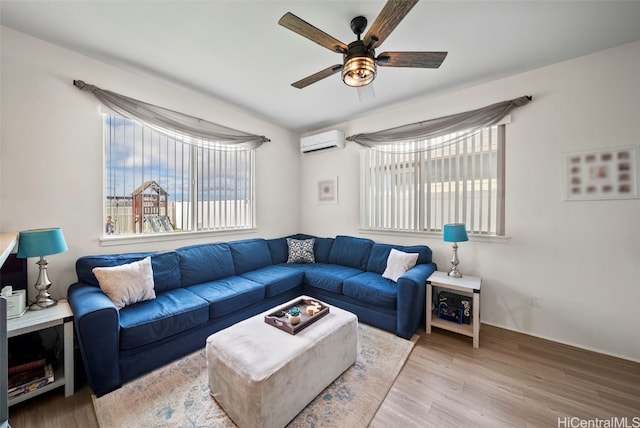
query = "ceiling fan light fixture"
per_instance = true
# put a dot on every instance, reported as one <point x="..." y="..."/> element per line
<point x="359" y="70"/>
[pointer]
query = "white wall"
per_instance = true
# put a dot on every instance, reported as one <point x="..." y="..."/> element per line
<point x="51" y="161"/>
<point x="582" y="258"/>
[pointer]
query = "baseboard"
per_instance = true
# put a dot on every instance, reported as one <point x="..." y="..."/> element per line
<point x="597" y="351"/>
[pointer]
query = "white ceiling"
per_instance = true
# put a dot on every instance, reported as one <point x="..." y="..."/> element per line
<point x="235" y="51"/>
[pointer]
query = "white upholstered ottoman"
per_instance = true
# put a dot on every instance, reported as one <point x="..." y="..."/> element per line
<point x="263" y="376"/>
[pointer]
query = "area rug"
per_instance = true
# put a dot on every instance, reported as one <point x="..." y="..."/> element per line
<point x="177" y="395"/>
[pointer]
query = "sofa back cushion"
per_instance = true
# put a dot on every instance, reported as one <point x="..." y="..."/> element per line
<point x="321" y="246"/>
<point x="378" y="257"/>
<point x="204" y="263"/>
<point x="278" y="250"/>
<point x="350" y="251"/>
<point x="250" y="254"/>
<point x="322" y="249"/>
<point x="424" y="253"/>
<point x="380" y="253"/>
<point x="165" y="265"/>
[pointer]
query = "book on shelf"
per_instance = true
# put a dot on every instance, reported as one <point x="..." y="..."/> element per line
<point x="25" y="376"/>
<point x="41" y="362"/>
<point x="35" y="379"/>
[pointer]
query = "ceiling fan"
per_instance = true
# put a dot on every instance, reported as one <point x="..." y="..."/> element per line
<point x="359" y="66"/>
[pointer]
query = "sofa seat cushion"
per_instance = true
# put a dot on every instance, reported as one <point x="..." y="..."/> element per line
<point x="170" y="313"/>
<point x="276" y="279"/>
<point x="326" y="276"/>
<point x="373" y="289"/>
<point x="229" y="294"/>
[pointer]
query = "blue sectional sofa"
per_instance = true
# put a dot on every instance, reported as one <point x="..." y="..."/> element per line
<point x="201" y="289"/>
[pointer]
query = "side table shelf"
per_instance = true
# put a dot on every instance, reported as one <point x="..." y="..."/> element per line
<point x="39" y="320"/>
<point x="466" y="286"/>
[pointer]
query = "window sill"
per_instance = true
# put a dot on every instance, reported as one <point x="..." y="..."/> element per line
<point x="437" y="235"/>
<point x="107" y="241"/>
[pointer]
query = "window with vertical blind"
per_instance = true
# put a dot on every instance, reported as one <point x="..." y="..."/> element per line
<point x="462" y="182"/>
<point x="158" y="183"/>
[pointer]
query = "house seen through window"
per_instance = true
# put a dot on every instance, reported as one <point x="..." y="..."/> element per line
<point x="157" y="183"/>
<point x="462" y="182"/>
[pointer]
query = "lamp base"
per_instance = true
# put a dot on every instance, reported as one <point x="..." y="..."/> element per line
<point x="454" y="273"/>
<point x="43" y="298"/>
<point x="42" y="304"/>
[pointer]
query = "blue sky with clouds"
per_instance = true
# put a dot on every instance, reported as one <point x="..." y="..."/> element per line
<point x="135" y="154"/>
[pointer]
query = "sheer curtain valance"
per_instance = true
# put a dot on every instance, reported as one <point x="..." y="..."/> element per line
<point x="440" y="132"/>
<point x="174" y="123"/>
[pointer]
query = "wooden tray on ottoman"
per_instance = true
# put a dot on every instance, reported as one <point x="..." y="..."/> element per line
<point x="282" y="322"/>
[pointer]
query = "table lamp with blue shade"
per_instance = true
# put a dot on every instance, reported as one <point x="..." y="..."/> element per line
<point x="40" y="243"/>
<point x="455" y="232"/>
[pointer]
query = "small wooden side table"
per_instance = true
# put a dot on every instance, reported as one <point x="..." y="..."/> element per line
<point x="466" y="286"/>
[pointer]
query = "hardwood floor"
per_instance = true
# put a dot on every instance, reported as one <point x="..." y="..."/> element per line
<point x="512" y="380"/>
<point x="53" y="410"/>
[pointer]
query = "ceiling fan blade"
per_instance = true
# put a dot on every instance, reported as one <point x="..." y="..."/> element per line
<point x="392" y="13"/>
<point x="317" y="76"/>
<point x="411" y="59"/>
<point x="302" y="27"/>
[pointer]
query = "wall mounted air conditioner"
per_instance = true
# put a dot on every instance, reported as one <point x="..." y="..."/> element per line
<point x="330" y="140"/>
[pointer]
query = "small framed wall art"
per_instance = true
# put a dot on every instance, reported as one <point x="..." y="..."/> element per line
<point x="328" y="191"/>
<point x="601" y="174"/>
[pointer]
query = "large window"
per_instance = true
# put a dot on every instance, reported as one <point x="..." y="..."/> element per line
<point x="461" y="182"/>
<point x="156" y="183"/>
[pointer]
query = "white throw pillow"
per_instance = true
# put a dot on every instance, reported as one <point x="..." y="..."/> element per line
<point x="127" y="284"/>
<point x="398" y="263"/>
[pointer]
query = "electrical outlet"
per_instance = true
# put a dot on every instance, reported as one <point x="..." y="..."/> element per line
<point x="536" y="301"/>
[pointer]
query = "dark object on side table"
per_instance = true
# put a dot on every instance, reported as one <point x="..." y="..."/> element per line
<point x="454" y="307"/>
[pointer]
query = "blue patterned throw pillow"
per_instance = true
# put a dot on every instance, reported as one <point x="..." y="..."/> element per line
<point x="300" y="250"/>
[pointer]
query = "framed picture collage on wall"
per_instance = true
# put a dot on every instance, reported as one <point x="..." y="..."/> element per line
<point x="601" y="174"/>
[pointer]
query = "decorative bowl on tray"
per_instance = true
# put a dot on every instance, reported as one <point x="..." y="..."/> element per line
<point x="297" y="315"/>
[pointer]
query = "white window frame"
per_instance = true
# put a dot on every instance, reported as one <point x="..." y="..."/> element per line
<point x="237" y="216"/>
<point x="412" y="202"/>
